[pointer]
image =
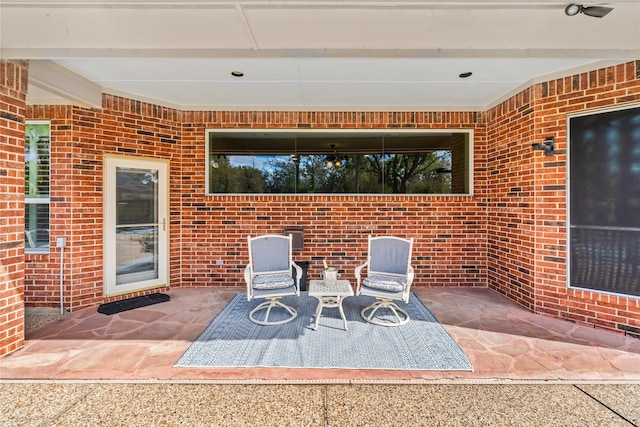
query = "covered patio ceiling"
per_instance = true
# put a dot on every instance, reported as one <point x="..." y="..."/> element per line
<point x="307" y="55"/>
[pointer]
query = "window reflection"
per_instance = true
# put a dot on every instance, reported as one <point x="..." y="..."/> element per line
<point x="325" y="164"/>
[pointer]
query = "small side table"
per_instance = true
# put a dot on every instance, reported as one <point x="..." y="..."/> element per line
<point x="330" y="294"/>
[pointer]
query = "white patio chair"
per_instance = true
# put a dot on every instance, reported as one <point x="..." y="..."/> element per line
<point x="269" y="276"/>
<point x="389" y="278"/>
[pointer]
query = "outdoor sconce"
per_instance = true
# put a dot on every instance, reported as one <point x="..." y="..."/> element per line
<point x="548" y="146"/>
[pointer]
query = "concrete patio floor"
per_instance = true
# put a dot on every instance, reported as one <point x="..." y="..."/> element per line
<point x="199" y="404"/>
<point x="118" y="370"/>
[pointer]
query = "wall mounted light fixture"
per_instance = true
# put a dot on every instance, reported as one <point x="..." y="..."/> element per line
<point x="595" y="11"/>
<point x="548" y="146"/>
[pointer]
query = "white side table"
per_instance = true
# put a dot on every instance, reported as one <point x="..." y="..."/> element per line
<point x="330" y="294"/>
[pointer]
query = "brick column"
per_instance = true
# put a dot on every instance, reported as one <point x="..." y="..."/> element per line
<point x="13" y="90"/>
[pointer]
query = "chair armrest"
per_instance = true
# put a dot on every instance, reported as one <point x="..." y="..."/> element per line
<point x="298" y="275"/>
<point x="410" y="276"/>
<point x="358" y="274"/>
<point x="247" y="278"/>
<point x="407" y="290"/>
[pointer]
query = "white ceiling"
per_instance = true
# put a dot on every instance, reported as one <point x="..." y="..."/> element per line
<point x="307" y="55"/>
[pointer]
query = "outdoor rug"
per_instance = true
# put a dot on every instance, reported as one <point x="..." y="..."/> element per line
<point x="232" y="340"/>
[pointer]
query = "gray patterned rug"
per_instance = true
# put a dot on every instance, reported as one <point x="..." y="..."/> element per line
<point x="232" y="340"/>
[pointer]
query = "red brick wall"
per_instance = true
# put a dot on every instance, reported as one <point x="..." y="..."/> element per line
<point x="13" y="90"/>
<point x="42" y="271"/>
<point x="510" y="235"/>
<point x="511" y="198"/>
<point x="528" y="220"/>
<point x="80" y="138"/>
<point x="450" y="239"/>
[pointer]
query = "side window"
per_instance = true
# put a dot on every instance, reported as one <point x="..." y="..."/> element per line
<point x="36" y="186"/>
<point x="604" y="201"/>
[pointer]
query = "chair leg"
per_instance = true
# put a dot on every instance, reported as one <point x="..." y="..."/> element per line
<point x="400" y="315"/>
<point x="268" y="305"/>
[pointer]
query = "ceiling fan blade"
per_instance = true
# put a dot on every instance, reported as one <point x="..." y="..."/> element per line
<point x="596" y="11"/>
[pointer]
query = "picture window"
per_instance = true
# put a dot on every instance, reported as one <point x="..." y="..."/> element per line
<point x="327" y="162"/>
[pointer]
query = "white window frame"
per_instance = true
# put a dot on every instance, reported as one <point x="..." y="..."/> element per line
<point x="568" y="204"/>
<point x="359" y="132"/>
<point x="38" y="200"/>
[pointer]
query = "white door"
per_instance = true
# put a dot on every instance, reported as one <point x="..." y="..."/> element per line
<point x="136" y="228"/>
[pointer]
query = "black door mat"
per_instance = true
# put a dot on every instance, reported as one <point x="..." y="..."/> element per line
<point x="131" y="303"/>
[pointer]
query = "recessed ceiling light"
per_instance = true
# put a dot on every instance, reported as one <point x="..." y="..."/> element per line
<point x="237" y="73"/>
<point x="465" y="75"/>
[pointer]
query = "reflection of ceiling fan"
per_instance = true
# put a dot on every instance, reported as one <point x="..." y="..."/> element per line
<point x="595" y="11"/>
<point x="149" y="177"/>
<point x="333" y="159"/>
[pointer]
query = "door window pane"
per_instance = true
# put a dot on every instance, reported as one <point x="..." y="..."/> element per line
<point x="136" y="225"/>
<point x="136" y="197"/>
<point x="136" y="258"/>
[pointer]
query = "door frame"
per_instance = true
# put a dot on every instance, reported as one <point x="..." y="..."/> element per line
<point x="110" y="163"/>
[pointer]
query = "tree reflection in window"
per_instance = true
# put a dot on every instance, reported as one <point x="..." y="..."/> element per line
<point x="286" y="165"/>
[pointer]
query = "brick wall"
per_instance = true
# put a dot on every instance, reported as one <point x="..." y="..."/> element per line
<point x="510" y="235"/>
<point x="80" y="138"/>
<point x="13" y="89"/>
<point x="42" y="271"/>
<point x="512" y="175"/>
<point x="528" y="212"/>
<point x="450" y="240"/>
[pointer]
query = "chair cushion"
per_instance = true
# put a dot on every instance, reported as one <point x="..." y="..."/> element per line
<point x="385" y="283"/>
<point x="272" y="281"/>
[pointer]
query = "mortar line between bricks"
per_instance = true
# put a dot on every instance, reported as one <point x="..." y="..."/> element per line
<point x="606" y="406"/>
